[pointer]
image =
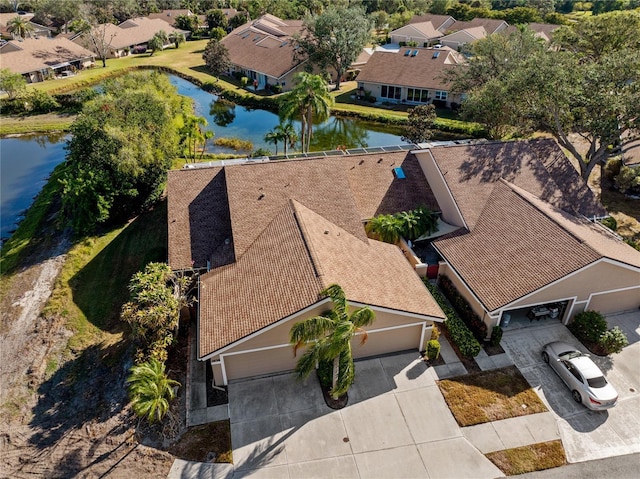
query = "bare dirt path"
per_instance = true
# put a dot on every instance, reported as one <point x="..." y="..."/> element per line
<point x="54" y="422"/>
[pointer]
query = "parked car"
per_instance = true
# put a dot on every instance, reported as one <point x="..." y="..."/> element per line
<point x="584" y="379"/>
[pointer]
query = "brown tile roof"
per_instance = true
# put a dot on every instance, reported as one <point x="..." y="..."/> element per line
<point x="372" y="273"/>
<point x="538" y="166"/>
<point x="297" y="255"/>
<point x="361" y="183"/>
<point x="264" y="45"/>
<point x="420" y="71"/>
<point x="514" y="249"/>
<point x="436" y="20"/>
<point x="491" y="25"/>
<point x="131" y="32"/>
<point x="198" y="218"/>
<point x="521" y="243"/>
<point x="169" y="16"/>
<point x="34" y="54"/>
<point x="544" y="28"/>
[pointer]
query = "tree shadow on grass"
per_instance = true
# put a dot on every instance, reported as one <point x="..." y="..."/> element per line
<point x="100" y="288"/>
<point x="85" y="391"/>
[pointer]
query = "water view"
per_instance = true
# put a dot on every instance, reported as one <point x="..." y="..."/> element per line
<point x="25" y="164"/>
<point x="27" y="161"/>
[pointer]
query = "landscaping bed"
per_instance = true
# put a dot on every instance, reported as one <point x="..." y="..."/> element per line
<point x="490" y="396"/>
<point x="535" y="457"/>
<point x="201" y="443"/>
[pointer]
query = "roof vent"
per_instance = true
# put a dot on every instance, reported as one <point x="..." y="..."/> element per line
<point x="261" y="196"/>
<point x="399" y="173"/>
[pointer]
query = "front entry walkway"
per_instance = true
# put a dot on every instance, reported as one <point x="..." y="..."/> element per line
<point x="396" y="425"/>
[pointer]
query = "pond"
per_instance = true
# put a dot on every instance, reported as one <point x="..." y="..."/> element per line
<point x="235" y="121"/>
<point x="25" y="164"/>
<point x="27" y="161"/>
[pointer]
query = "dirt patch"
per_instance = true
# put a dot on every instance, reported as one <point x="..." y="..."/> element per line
<point x="206" y="443"/>
<point x="64" y="414"/>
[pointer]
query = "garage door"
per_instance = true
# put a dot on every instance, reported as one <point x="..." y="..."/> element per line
<point x="615" y="302"/>
<point x="258" y="363"/>
<point x="388" y="341"/>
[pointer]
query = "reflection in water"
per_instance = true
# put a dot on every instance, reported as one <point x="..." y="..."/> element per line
<point x="339" y="132"/>
<point x="223" y="111"/>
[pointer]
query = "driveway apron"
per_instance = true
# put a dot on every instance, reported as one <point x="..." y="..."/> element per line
<point x="396" y="425"/>
<point x="586" y="435"/>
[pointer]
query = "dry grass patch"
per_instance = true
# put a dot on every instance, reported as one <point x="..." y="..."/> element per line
<point x="536" y="457"/>
<point x="199" y="441"/>
<point x="490" y="396"/>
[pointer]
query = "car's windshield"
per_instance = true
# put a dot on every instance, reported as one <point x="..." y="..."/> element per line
<point x="570" y="354"/>
<point x="598" y="382"/>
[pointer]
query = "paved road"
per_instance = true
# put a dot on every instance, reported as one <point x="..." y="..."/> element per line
<point x="621" y="467"/>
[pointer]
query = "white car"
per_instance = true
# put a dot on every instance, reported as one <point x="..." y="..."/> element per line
<point x="585" y="380"/>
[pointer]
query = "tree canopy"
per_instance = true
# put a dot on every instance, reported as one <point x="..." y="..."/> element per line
<point x="587" y="93"/>
<point x="11" y="83"/>
<point x="121" y="147"/>
<point x="216" y="57"/>
<point x="418" y="128"/>
<point x="334" y="38"/>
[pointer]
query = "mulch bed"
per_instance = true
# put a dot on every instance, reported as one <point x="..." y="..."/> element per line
<point x="215" y="397"/>
<point x="334" y="403"/>
<point x="207" y="443"/>
<point x="492" y="350"/>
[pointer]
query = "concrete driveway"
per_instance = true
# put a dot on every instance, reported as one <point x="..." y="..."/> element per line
<point x="585" y="434"/>
<point x="395" y="425"/>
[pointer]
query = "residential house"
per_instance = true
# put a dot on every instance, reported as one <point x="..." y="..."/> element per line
<point x="263" y="51"/>
<point x="41" y="58"/>
<point x="544" y="30"/>
<point x="412" y="76"/>
<point x="421" y="34"/>
<point x="272" y="235"/>
<point x="129" y="36"/>
<point x="37" y="29"/>
<point x="528" y="242"/>
<point x="461" y="33"/>
<point x="269" y="236"/>
<point x="439" y="22"/>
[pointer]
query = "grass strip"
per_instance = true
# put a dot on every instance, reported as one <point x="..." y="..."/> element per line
<point x="12" y="125"/>
<point x="535" y="457"/>
<point x="490" y="396"/>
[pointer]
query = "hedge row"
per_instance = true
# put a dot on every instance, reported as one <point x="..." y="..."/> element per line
<point x="460" y="334"/>
<point x="462" y="306"/>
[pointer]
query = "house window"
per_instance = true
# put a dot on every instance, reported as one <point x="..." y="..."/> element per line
<point x="441" y="95"/>
<point x="388" y="91"/>
<point x="417" y="95"/>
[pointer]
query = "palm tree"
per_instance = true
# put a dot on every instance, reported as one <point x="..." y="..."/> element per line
<point x="273" y="136"/>
<point x="191" y="131"/>
<point x="150" y="390"/>
<point x="207" y="135"/>
<point x="328" y="338"/>
<point x="308" y="97"/>
<point x="386" y="228"/>
<point x="159" y="40"/>
<point x="288" y="135"/>
<point x="19" y="27"/>
<point x="177" y="38"/>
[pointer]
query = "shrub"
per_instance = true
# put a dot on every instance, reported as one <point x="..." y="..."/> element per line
<point x="628" y="180"/>
<point x="470" y="318"/>
<point x="433" y="349"/>
<point x="435" y="332"/>
<point x="496" y="336"/>
<point x="612" y="168"/>
<point x="588" y="326"/>
<point x="613" y="341"/>
<point x="610" y="223"/>
<point x="458" y="331"/>
<point x="244" y="81"/>
<point x="235" y="143"/>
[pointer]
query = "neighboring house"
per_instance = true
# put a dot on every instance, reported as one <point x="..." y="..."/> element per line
<point x="439" y="22"/>
<point x="543" y="30"/>
<point x="526" y="239"/>
<point x="424" y="34"/>
<point x="461" y="33"/>
<point x="272" y="235"/>
<point x="169" y="16"/>
<point x="41" y="58"/>
<point x="412" y="76"/>
<point x="262" y="50"/>
<point x="131" y="35"/>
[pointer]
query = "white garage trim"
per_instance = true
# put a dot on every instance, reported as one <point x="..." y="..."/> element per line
<point x="571" y="300"/>
<point x="277" y="346"/>
<point x="382" y="309"/>
<point x="609" y="292"/>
